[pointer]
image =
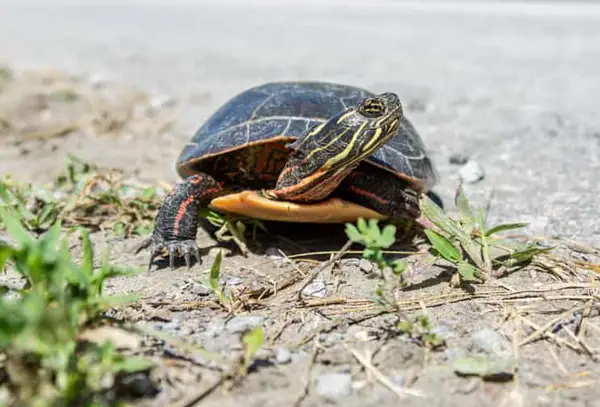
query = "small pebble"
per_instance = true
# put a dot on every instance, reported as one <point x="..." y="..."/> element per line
<point x="200" y="290"/>
<point x="283" y="356"/>
<point x="365" y="265"/>
<point x="458" y="159"/>
<point x="334" y="385"/>
<point x="398" y="380"/>
<point x="273" y="253"/>
<point x="315" y="289"/>
<point x="492" y="342"/>
<point x="233" y="281"/>
<point x="241" y="324"/>
<point x="471" y="172"/>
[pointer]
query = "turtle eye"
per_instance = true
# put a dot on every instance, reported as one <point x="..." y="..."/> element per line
<point x="371" y="108"/>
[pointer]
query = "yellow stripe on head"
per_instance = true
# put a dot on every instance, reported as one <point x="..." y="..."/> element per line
<point x="334" y="160"/>
<point x="373" y="140"/>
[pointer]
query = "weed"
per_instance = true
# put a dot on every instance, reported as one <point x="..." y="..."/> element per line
<point x="472" y="247"/>
<point x="44" y="362"/>
<point x="83" y="195"/>
<point x="420" y="330"/>
<point x="375" y="240"/>
<point x="252" y="340"/>
<point x="215" y="286"/>
<point x="233" y="228"/>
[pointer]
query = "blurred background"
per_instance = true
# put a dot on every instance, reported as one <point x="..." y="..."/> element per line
<point x="504" y="94"/>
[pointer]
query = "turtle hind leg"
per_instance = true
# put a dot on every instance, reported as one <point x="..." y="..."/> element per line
<point x="381" y="191"/>
<point x="176" y="224"/>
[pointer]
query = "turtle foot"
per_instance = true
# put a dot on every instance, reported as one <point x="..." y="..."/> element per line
<point x="175" y="248"/>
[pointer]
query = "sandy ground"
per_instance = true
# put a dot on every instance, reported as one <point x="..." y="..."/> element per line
<point x="512" y="86"/>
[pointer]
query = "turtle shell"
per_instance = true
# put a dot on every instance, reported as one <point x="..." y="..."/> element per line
<point x="286" y="111"/>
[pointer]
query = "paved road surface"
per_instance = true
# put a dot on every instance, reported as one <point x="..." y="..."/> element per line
<point x="514" y="85"/>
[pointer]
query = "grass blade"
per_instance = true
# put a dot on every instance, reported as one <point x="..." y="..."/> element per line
<point x="444" y="246"/>
<point x="505" y="227"/>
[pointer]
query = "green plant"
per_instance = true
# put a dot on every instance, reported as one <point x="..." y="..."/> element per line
<point x="214" y="285"/>
<point x="470" y="245"/>
<point x="421" y="331"/>
<point x="369" y="234"/>
<point x="374" y="239"/>
<point x="252" y="340"/>
<point x="233" y="228"/>
<point x="83" y="195"/>
<point x="45" y="363"/>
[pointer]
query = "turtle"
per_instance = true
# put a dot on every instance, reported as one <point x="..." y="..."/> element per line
<point x="296" y="151"/>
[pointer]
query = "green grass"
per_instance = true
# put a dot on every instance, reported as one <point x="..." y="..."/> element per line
<point x="44" y="363"/>
<point x="477" y="251"/>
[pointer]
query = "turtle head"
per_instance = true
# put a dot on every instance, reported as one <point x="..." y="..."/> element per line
<point x="328" y="152"/>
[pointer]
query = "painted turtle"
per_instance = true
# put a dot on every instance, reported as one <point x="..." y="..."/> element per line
<point x="297" y="152"/>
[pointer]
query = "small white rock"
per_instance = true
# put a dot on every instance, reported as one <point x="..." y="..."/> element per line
<point x="274" y="253"/>
<point x="315" y="289"/>
<point x="283" y="356"/>
<point x="243" y="323"/>
<point x="334" y="385"/>
<point x="233" y="281"/>
<point x="471" y="172"/>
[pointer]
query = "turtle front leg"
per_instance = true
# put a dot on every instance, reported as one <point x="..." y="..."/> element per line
<point x="176" y="224"/>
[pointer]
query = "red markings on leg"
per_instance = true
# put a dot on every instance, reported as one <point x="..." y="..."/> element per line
<point x="368" y="194"/>
<point x="181" y="213"/>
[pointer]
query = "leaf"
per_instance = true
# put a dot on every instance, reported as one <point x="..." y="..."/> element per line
<point x="133" y="364"/>
<point x="362" y="225"/>
<point x="443" y="246"/>
<point x="87" y="261"/>
<point x="353" y="233"/>
<point x="485" y="248"/>
<point x="467" y="272"/>
<point x="15" y="228"/>
<point x="527" y="254"/>
<point x="215" y="270"/>
<point x="398" y="266"/>
<point x="6" y="252"/>
<point x="148" y="193"/>
<point x="464" y="210"/>
<point x="505" y="227"/>
<point x="404" y="326"/>
<point x="439" y="218"/>
<point x="484" y="367"/>
<point x="388" y="236"/>
<point x="119" y="228"/>
<point x="253" y="340"/>
<point x="115" y="301"/>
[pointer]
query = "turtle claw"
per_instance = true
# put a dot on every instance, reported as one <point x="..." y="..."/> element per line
<point x="174" y="248"/>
